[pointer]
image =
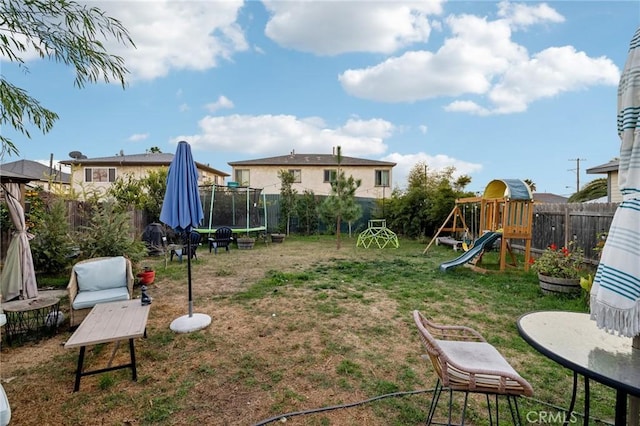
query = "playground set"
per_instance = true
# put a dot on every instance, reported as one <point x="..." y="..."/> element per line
<point x="503" y="213"/>
<point x="241" y="208"/>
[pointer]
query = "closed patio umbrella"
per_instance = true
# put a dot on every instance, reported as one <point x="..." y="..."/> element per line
<point x="182" y="210"/>
<point x="18" y="275"/>
<point x="615" y="295"/>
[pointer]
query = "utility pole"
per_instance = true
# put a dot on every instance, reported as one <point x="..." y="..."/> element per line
<point x="577" y="169"/>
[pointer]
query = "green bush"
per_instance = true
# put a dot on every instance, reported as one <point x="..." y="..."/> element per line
<point x="109" y="233"/>
<point x="52" y="243"/>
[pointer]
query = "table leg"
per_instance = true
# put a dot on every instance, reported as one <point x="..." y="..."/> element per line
<point x="587" y="401"/>
<point x="621" y="408"/>
<point x="76" y="388"/>
<point x="132" y="351"/>
<point x="572" y="404"/>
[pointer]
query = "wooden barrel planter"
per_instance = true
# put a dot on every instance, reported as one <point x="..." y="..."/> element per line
<point x="277" y="238"/>
<point x="245" y="243"/>
<point x="553" y="285"/>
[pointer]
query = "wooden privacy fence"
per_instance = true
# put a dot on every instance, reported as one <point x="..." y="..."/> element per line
<point x="580" y="223"/>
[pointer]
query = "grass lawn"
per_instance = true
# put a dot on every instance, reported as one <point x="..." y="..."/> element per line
<point x="295" y="326"/>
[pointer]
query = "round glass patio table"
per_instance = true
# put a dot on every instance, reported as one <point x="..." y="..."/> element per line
<point x="574" y="341"/>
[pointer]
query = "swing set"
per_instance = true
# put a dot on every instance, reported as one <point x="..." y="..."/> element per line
<point x="506" y="207"/>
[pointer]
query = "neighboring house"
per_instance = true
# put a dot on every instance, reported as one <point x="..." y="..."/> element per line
<point x="314" y="172"/>
<point x="611" y="169"/>
<point x="549" y="198"/>
<point x="47" y="177"/>
<point x="91" y="174"/>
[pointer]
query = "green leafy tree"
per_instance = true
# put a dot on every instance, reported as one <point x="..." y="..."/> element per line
<point x="62" y="31"/>
<point x="155" y="184"/>
<point x="340" y="204"/>
<point x="146" y="193"/>
<point x="307" y="212"/>
<point x="287" y="199"/>
<point x="531" y="184"/>
<point x="597" y="188"/>
<point x="128" y="192"/>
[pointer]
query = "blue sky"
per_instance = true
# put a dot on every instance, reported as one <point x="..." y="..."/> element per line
<point x="496" y="89"/>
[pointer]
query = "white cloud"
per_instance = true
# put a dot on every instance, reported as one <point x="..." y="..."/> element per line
<point x="333" y="27"/>
<point x="139" y="137"/>
<point x="405" y="162"/>
<point x="481" y="59"/>
<point x="267" y="135"/>
<point x="222" y="103"/>
<point x="176" y="35"/>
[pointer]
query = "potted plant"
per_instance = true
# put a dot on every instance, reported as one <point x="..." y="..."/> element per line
<point x="277" y="237"/>
<point x="559" y="270"/>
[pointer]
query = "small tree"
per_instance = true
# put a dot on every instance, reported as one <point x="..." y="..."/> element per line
<point x="307" y="212"/>
<point x="287" y="199"/>
<point x="52" y="243"/>
<point x="341" y="201"/>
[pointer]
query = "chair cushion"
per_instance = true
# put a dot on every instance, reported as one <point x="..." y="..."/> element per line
<point x="88" y="299"/>
<point x="101" y="274"/>
<point x="476" y="355"/>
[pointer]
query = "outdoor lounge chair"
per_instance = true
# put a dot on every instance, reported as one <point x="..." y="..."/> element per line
<point x="195" y="242"/>
<point x="221" y="238"/>
<point x="98" y="280"/>
<point x="465" y="362"/>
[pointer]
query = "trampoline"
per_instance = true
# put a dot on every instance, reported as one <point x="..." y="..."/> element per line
<point x="241" y="208"/>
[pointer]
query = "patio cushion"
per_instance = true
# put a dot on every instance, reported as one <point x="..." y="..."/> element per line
<point x="88" y="299"/>
<point x="102" y="274"/>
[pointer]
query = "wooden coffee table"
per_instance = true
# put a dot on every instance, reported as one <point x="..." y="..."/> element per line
<point x="110" y="322"/>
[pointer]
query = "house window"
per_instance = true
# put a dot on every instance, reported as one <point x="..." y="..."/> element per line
<point x="382" y="177"/>
<point x="100" y="174"/>
<point x="297" y="175"/>
<point x="242" y="177"/>
<point x="330" y="175"/>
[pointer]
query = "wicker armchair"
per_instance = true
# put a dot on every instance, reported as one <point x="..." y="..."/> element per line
<point x="98" y="280"/>
<point x="465" y="362"/>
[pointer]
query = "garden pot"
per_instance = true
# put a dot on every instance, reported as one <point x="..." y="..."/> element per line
<point x="277" y="238"/>
<point x="553" y="285"/>
<point x="146" y="277"/>
<point x="245" y="243"/>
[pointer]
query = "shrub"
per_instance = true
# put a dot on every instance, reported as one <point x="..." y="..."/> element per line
<point x="52" y="243"/>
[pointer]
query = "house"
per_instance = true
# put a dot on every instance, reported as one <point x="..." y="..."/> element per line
<point x="91" y="174"/>
<point x="548" y="198"/>
<point x="40" y="175"/>
<point x="611" y="169"/>
<point x="314" y="172"/>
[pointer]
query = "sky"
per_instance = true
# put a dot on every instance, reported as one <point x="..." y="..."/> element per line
<point x="498" y="90"/>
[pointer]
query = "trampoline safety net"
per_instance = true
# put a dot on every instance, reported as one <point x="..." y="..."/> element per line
<point x="235" y="207"/>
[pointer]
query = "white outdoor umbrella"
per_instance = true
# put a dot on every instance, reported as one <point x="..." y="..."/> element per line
<point x="18" y="275"/>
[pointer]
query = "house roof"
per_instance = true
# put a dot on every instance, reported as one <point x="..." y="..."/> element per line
<point x="6" y="176"/>
<point x="146" y="159"/>
<point x="294" y="159"/>
<point x="611" y="166"/>
<point x="35" y="171"/>
<point x="548" y="198"/>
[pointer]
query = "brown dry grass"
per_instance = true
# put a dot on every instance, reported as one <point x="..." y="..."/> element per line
<point x="257" y="359"/>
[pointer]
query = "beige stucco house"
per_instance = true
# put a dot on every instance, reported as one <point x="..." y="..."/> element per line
<point x="611" y="170"/>
<point x="98" y="174"/>
<point x="314" y="172"/>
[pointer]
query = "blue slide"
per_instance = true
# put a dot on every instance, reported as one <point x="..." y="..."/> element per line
<point x="478" y="246"/>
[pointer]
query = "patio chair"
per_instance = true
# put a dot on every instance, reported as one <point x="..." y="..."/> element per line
<point x="221" y="238"/>
<point x="465" y="362"/>
<point x="98" y="280"/>
<point x="195" y="242"/>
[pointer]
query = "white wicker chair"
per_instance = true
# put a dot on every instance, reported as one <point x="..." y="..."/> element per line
<point x="465" y="362"/>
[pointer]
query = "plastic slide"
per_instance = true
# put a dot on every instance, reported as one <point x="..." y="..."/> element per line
<point x="478" y="246"/>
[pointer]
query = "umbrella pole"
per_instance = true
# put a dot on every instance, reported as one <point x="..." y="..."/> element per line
<point x="189" y="273"/>
<point x="634" y="402"/>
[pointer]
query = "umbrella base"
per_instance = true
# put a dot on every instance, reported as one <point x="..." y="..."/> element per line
<point x="187" y="324"/>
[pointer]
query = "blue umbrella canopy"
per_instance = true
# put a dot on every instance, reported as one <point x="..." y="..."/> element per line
<point x="615" y="295"/>
<point x="182" y="208"/>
